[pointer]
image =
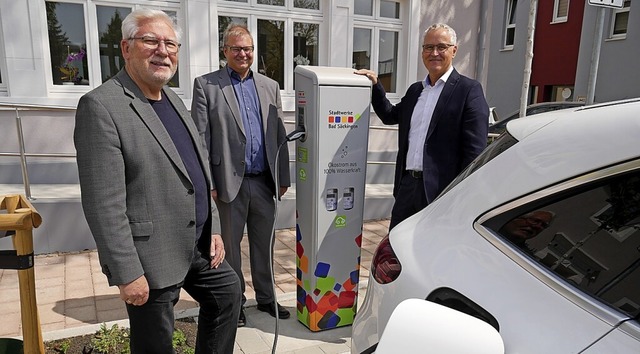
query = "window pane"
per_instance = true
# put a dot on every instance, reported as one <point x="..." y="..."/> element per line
<point x="590" y="237"/>
<point x="110" y="34"/>
<point x="511" y="35"/>
<point x="361" y="48"/>
<point x="223" y="23"/>
<point x="388" y="60"/>
<point x="305" y="43"/>
<point x="363" y="7"/>
<point x="390" y="9"/>
<point x="271" y="2"/>
<point x="175" y="80"/>
<point x="270" y="53"/>
<point x="563" y="8"/>
<point x="307" y="4"/>
<point x="512" y="12"/>
<point x="67" y="43"/>
<point x="620" y="26"/>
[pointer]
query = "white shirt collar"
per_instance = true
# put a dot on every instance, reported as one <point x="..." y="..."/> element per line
<point x="443" y="78"/>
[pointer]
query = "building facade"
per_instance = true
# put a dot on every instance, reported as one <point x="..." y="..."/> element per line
<point x="53" y="51"/>
<point x="564" y="41"/>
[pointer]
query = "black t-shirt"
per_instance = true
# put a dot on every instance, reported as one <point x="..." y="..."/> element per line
<point x="186" y="148"/>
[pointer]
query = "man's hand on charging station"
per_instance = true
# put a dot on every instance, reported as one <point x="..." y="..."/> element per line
<point x="214" y="194"/>
<point x="283" y="190"/>
<point x="369" y="74"/>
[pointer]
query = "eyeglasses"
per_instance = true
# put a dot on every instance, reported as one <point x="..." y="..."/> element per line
<point x="237" y="50"/>
<point x="172" y="47"/>
<point x="442" y="47"/>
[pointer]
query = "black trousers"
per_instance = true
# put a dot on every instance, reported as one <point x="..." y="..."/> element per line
<point x="217" y="291"/>
<point x="410" y="199"/>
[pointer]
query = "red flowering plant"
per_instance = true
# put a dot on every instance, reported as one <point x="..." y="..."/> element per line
<point x="70" y="70"/>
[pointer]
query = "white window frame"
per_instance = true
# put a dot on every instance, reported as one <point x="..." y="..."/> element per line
<point x="93" y="43"/>
<point x="509" y="26"/>
<point x="287" y="14"/>
<point x="556" y="8"/>
<point x="377" y="23"/>
<point x="614" y="15"/>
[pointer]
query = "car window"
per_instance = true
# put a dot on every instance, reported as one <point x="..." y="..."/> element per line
<point x="497" y="147"/>
<point x="589" y="236"/>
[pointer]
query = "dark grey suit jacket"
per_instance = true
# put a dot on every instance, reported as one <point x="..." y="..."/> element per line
<point x="457" y="133"/>
<point x="136" y="193"/>
<point x="215" y="110"/>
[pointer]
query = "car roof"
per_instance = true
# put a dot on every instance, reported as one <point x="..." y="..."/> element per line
<point x="597" y="114"/>
<point x="551" y="147"/>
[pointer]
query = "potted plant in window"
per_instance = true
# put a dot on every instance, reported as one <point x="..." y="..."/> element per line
<point x="70" y="68"/>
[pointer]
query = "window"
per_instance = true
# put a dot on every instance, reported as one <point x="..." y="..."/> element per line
<point x="361" y="48"/>
<point x="620" y="21"/>
<point x="109" y="36"/>
<point x="510" y="30"/>
<point x="281" y="42"/>
<point x="270" y="49"/>
<point x="67" y="43"/>
<point x="72" y="49"/>
<point x="363" y="7"/>
<point x="494" y="149"/>
<point x="560" y="10"/>
<point x="376" y="39"/>
<point x="589" y="236"/>
<point x="388" y="63"/>
<point x="305" y="43"/>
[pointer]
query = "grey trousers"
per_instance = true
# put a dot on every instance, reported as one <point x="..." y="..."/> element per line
<point x="254" y="207"/>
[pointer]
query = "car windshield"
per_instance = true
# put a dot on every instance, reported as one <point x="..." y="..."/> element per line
<point x="497" y="147"/>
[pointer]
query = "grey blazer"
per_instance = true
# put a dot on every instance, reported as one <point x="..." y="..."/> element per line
<point x="215" y="110"/>
<point x="136" y="193"/>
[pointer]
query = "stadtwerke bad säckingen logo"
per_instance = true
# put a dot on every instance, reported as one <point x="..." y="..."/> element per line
<point x="342" y="119"/>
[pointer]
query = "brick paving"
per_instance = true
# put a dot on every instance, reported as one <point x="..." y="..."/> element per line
<point x="74" y="298"/>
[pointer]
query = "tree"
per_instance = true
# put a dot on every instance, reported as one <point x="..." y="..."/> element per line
<point x="58" y="40"/>
<point x="111" y="39"/>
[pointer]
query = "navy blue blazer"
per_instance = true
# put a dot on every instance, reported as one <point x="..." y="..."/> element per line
<point x="457" y="132"/>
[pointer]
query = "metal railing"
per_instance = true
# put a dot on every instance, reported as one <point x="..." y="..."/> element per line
<point x="23" y="155"/>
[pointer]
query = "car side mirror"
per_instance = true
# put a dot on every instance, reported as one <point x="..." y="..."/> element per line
<point x="421" y="326"/>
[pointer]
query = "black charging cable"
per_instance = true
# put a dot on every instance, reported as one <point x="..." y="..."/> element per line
<point x="294" y="135"/>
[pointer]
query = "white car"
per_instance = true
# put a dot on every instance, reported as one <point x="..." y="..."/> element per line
<point x="539" y="237"/>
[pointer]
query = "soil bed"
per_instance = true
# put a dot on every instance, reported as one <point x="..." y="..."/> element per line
<point x="184" y="344"/>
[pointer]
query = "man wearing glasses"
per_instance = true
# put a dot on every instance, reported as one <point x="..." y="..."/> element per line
<point x="239" y="112"/>
<point x="442" y="124"/>
<point x="527" y="226"/>
<point x="145" y="184"/>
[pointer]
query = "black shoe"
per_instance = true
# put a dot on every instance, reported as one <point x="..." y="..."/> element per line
<point x="242" y="320"/>
<point x="282" y="312"/>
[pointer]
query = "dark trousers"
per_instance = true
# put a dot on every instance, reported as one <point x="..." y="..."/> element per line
<point x="410" y="199"/>
<point x="217" y="291"/>
<point x="254" y="207"/>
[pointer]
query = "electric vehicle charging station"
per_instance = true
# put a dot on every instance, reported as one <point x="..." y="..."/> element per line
<point x="332" y="107"/>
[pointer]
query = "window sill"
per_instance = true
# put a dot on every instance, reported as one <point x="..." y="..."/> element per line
<point x="619" y="37"/>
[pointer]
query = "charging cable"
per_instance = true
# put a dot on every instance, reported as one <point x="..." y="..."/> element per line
<point x="294" y="135"/>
